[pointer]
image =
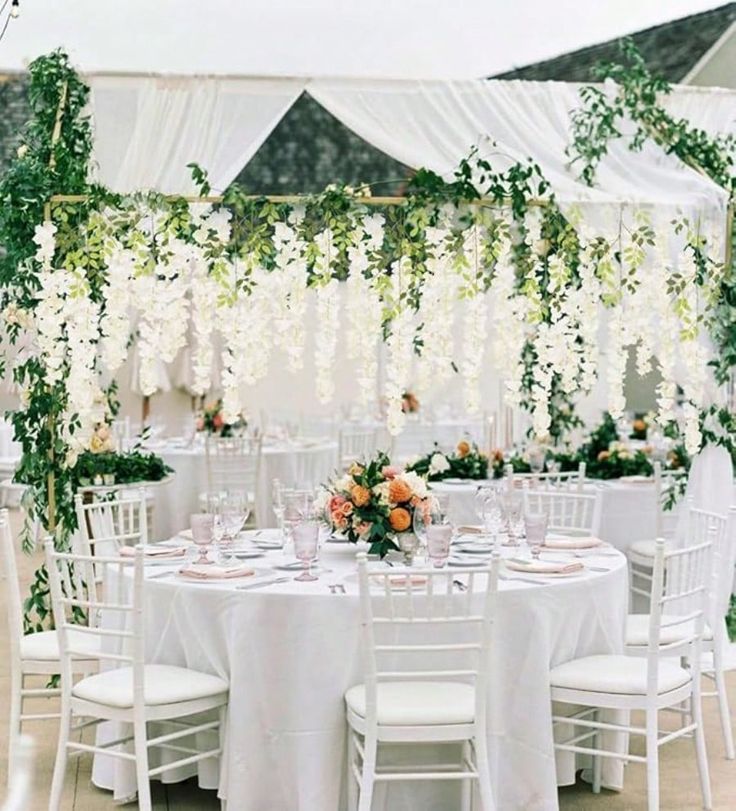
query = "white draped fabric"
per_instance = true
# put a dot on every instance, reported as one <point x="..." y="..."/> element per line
<point x="148" y="129"/>
<point x="435" y="124"/>
<point x="712" y="109"/>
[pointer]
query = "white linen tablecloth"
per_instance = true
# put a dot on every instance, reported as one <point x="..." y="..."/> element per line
<point x="306" y="464"/>
<point x="290" y="651"/>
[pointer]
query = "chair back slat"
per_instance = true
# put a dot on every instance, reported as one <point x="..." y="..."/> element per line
<point x="570" y="480"/>
<point x="233" y="463"/>
<point x="396" y="625"/>
<point x="569" y="511"/>
<point x="355" y="444"/>
<point x="9" y="573"/>
<point x="121" y="638"/>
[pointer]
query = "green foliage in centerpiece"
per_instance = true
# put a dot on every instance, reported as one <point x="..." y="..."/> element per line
<point x="374" y="502"/>
<point x="124" y="468"/>
<point x="465" y="462"/>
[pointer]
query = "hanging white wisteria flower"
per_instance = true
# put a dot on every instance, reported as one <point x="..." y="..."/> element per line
<point x="399" y="349"/>
<point x="290" y="302"/>
<point x="474" y="320"/>
<point x="115" y="320"/>
<point x="327" y="316"/>
<point x="205" y="291"/>
<point x="45" y="237"/>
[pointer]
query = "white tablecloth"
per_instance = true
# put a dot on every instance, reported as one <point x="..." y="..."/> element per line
<point x="290" y="651"/>
<point x="307" y="465"/>
<point x="629" y="509"/>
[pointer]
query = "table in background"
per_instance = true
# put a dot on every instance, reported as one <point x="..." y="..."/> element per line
<point x="306" y="464"/>
<point x="290" y="651"/>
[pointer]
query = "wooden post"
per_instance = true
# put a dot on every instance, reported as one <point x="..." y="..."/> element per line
<point x="51" y="422"/>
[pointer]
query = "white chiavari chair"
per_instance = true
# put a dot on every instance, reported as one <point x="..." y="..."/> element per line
<point x="652" y="683"/>
<point x="131" y="691"/>
<point x="427" y="652"/>
<point x="569" y="512"/>
<point x="641" y="553"/>
<point x="702" y="525"/>
<point x="21" y="778"/>
<point x="558" y="480"/>
<point x="356" y="443"/>
<point x="233" y="464"/>
<point x="35" y="654"/>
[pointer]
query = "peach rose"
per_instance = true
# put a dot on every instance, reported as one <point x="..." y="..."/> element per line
<point x="103" y="432"/>
<point x="217" y="422"/>
<point x="639" y="426"/>
<point x="199" y="425"/>
<point x="399" y="519"/>
<point x="355" y="469"/>
<point x="498" y="455"/>
<point x="603" y="455"/>
<point x="339" y="520"/>
<point x="463" y="448"/>
<point x="346" y="509"/>
<point x="336" y="503"/>
<point x="363" y="527"/>
<point x="399" y="491"/>
<point x="360" y="495"/>
<point x="390" y="471"/>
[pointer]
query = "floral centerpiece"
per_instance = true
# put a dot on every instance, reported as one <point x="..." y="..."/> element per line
<point x="465" y="462"/>
<point x="374" y="502"/>
<point x="212" y="421"/>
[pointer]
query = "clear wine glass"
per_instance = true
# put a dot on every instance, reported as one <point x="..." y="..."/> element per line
<point x="535" y="524"/>
<point x="233" y="510"/>
<point x="202" y="526"/>
<point x="512" y="507"/>
<point x="297" y="506"/>
<point x="492" y="515"/>
<point x="306" y="545"/>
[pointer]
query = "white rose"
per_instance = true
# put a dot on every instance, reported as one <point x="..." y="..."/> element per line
<point x="417" y="484"/>
<point x="438" y="463"/>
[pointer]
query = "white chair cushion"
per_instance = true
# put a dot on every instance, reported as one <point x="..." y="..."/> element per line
<point x="163" y="684"/>
<point x="637" y="631"/>
<point x="44" y="646"/>
<point x="625" y="675"/>
<point x="416" y="703"/>
<point x="644" y="549"/>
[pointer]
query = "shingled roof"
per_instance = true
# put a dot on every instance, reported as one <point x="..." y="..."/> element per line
<point x="670" y="50"/>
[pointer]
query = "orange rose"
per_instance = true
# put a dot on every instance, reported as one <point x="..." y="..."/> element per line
<point x="360" y="495"/>
<point x="355" y="469"/>
<point x="463" y="448"/>
<point x="399" y="491"/>
<point x="399" y="519"/>
<point x="603" y="455"/>
<point x="639" y="426"/>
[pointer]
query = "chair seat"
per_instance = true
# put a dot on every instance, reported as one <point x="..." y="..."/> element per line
<point x="623" y="675"/>
<point x="163" y="684"/>
<point x="44" y="646"/>
<point x="637" y="631"/>
<point x="645" y="549"/>
<point x="417" y="703"/>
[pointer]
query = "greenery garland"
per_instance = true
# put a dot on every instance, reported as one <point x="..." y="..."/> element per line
<point x="638" y="94"/>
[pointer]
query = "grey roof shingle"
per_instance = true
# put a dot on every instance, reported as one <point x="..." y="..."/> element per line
<point x="670" y="49"/>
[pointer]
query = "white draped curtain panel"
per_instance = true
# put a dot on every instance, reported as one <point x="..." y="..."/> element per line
<point x="148" y="129"/>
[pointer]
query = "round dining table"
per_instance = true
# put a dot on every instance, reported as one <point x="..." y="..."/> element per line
<point x="303" y="463"/>
<point x="290" y="650"/>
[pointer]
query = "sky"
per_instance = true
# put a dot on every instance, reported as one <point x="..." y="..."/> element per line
<point x="390" y="39"/>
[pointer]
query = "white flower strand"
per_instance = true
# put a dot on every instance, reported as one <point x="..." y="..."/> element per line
<point x="327" y="316"/>
<point x="474" y="323"/>
<point x="115" y="320"/>
<point x="400" y="350"/>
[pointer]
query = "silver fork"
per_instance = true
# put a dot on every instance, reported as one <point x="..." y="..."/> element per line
<point x="460" y="585"/>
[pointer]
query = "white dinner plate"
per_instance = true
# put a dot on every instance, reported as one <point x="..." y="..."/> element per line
<point x="467" y="562"/>
<point x="297" y="566"/>
<point x="475" y="548"/>
<point x="247" y="554"/>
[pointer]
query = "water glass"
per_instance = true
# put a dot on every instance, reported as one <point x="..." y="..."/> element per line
<point x="512" y="507"/>
<point x="231" y="514"/>
<point x="298" y="506"/>
<point x="536" y="530"/>
<point x="439" y="539"/>
<point x="202" y="526"/>
<point x="306" y="545"/>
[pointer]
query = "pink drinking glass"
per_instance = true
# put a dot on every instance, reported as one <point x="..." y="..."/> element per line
<point x="439" y="538"/>
<point x="306" y="545"/>
<point x="202" y="525"/>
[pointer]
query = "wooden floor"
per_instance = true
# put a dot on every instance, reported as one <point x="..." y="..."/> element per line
<point x="679" y="780"/>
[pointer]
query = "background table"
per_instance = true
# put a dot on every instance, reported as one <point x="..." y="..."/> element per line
<point x="290" y="651"/>
<point x="305" y="463"/>
<point x="628" y="509"/>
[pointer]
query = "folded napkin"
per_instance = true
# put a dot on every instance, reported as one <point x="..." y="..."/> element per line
<point x="155" y="551"/>
<point x="543" y="567"/>
<point x="207" y="572"/>
<point x="185" y="533"/>
<point x="587" y="542"/>
<point x="470" y="529"/>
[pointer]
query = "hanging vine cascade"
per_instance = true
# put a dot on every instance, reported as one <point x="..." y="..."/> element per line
<point x="240" y="272"/>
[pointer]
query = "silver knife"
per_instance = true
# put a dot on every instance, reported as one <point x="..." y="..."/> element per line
<point x="260" y="583"/>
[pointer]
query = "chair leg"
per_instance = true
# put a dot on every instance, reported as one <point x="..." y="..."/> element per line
<point x="15" y="711"/>
<point x="466" y="798"/>
<point x="352" y="782"/>
<point x="723" y="701"/>
<point x="652" y="726"/>
<point x="143" y="781"/>
<point x="368" y="775"/>
<point x="597" y="759"/>
<point x="700" y="753"/>
<point x="484" y="773"/>
<point x="57" y="782"/>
